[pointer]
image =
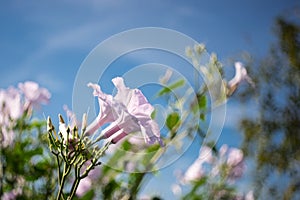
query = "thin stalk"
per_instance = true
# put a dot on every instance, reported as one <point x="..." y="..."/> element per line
<point x="134" y="190"/>
<point x="76" y="182"/>
<point x="58" y="164"/>
<point x="63" y="179"/>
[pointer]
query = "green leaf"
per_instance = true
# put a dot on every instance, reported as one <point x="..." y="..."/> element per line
<point x="171" y="87"/>
<point x="199" y="103"/>
<point x="202" y="116"/>
<point x="202" y="101"/>
<point x="153" y="114"/>
<point x="173" y="121"/>
<point x="109" y="189"/>
<point x="126" y="145"/>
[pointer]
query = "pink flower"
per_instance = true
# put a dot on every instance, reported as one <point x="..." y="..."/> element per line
<point x="176" y="189"/>
<point x="34" y="95"/>
<point x="8" y="136"/>
<point x="129" y="111"/>
<point x="138" y="113"/>
<point x="240" y="75"/>
<point x="249" y="195"/>
<point x="71" y="117"/>
<point x="11" y="109"/>
<point x="235" y="163"/>
<point x="194" y="172"/>
<point x="236" y="171"/>
<point x="235" y="156"/>
<point x="223" y="150"/>
<point x="106" y="109"/>
<point x="17" y="191"/>
<point x="86" y="183"/>
<point x="84" y="186"/>
<point x="10" y="103"/>
<point x="205" y="154"/>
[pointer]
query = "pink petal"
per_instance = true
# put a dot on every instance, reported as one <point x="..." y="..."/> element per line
<point x="205" y="154"/>
<point x="106" y="109"/>
<point x="194" y="172"/>
<point x="84" y="186"/>
<point x="34" y="94"/>
<point x="235" y="156"/>
<point x="124" y="94"/>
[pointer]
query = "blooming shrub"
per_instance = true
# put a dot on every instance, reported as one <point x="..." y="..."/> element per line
<point x="79" y="149"/>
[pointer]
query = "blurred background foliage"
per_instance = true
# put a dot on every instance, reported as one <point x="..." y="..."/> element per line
<point x="272" y="133"/>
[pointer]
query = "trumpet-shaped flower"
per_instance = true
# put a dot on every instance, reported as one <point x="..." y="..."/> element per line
<point x="240" y="75"/>
<point x="106" y="109"/>
<point x="138" y="113"/>
<point x="129" y="111"/>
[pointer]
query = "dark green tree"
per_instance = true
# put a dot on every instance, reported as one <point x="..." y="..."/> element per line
<point x="272" y="135"/>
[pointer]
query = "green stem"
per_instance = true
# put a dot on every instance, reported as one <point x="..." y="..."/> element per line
<point x="74" y="188"/>
<point x="79" y="177"/>
<point x="135" y="188"/>
<point x="62" y="182"/>
<point x="58" y="164"/>
<point x="76" y="182"/>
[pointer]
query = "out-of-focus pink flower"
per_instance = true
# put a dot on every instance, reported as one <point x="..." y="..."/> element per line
<point x="14" y="193"/>
<point x="129" y="111"/>
<point x="249" y="195"/>
<point x="34" y="94"/>
<point x="86" y="183"/>
<point x="223" y="150"/>
<point x="194" y="172"/>
<point x="10" y="103"/>
<point x="84" y="186"/>
<point x="236" y="171"/>
<point x="15" y="102"/>
<point x="8" y="136"/>
<point x="235" y="163"/>
<point x="71" y="117"/>
<point x="205" y="154"/>
<point x="176" y="189"/>
<point x="240" y="75"/>
<point x="235" y="156"/>
<point x="11" y="109"/>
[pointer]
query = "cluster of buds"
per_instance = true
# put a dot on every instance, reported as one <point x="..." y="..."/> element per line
<point x="74" y="151"/>
<point x="73" y="147"/>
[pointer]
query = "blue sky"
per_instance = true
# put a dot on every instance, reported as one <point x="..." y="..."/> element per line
<point x="46" y="41"/>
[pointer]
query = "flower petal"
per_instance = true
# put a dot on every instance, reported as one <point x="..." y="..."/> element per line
<point x="106" y="113"/>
